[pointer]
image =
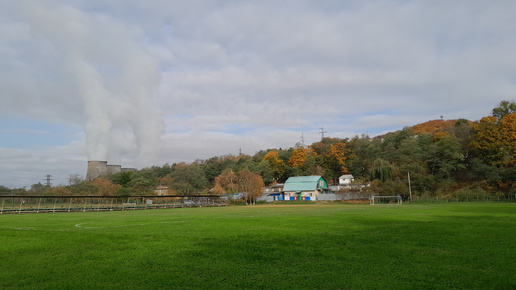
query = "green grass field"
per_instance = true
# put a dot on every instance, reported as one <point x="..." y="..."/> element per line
<point x="324" y="246"/>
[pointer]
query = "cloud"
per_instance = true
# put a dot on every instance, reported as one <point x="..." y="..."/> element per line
<point x="254" y="75"/>
<point x="115" y="79"/>
<point x="24" y="167"/>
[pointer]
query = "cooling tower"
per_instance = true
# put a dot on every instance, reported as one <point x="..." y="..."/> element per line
<point x="113" y="169"/>
<point x="96" y="169"/>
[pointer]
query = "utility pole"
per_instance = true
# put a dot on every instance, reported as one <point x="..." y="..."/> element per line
<point x="409" y="188"/>
<point x="302" y="141"/>
<point x="239" y="151"/>
<point x="322" y="133"/>
<point x="48" y="178"/>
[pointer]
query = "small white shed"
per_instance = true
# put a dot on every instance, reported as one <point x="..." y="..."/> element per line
<point x="346" y="179"/>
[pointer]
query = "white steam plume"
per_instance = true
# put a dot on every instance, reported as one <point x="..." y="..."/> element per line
<point x="115" y="78"/>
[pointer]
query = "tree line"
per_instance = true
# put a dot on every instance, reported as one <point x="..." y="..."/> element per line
<point x="441" y="157"/>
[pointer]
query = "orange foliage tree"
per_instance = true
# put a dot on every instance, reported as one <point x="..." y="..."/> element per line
<point x="508" y="138"/>
<point x="338" y="152"/>
<point x="433" y="126"/>
<point x="251" y="184"/>
<point x="298" y="157"/>
<point x="218" y="189"/>
<point x="227" y="181"/>
<point x="335" y="160"/>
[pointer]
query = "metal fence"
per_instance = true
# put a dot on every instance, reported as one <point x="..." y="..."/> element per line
<point x="461" y="198"/>
<point x="52" y="204"/>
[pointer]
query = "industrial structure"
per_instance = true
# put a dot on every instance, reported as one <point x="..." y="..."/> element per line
<point x="100" y="168"/>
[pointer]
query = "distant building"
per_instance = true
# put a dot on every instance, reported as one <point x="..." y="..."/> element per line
<point x="305" y="188"/>
<point x="161" y="190"/>
<point x="346" y="179"/>
<point x="275" y="191"/>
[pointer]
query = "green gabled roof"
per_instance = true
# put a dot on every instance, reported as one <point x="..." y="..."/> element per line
<point x="304" y="183"/>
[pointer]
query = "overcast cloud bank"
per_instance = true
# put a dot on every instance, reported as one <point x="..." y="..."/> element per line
<point x="159" y="82"/>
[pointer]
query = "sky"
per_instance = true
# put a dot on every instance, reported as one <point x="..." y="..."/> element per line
<point x="142" y="83"/>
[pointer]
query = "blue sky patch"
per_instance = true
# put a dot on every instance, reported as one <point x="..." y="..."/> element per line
<point x="23" y="132"/>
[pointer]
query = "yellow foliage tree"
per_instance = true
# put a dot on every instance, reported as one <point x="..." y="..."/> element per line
<point x="298" y="157"/>
<point x="336" y="158"/>
<point x="440" y="135"/>
<point x="487" y="141"/>
<point x="508" y="137"/>
<point x="277" y="165"/>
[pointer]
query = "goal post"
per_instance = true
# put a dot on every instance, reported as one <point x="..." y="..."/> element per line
<point x="392" y="200"/>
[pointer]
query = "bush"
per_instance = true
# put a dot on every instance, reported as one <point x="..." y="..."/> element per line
<point x="392" y="187"/>
<point x="470" y="194"/>
<point x="236" y="202"/>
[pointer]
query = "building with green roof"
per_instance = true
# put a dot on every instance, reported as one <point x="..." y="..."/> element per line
<point x="305" y="187"/>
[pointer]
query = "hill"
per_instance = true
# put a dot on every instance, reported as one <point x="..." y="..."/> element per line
<point x="434" y="126"/>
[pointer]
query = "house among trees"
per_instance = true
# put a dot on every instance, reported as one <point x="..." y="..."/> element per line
<point x="161" y="190"/>
<point x="305" y="188"/>
<point x="275" y="191"/>
<point x="345" y="183"/>
<point x="346" y="180"/>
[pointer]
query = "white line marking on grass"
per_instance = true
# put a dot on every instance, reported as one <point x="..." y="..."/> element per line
<point x="81" y="225"/>
<point x="25" y="229"/>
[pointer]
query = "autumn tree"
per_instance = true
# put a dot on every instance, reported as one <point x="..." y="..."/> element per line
<point x="487" y="141"/>
<point x="219" y="190"/>
<point x="320" y="148"/>
<point x="277" y="165"/>
<point x="227" y="181"/>
<point x="335" y="161"/>
<point x="298" y="157"/>
<point x="508" y="138"/>
<point x="106" y="187"/>
<point x="251" y="184"/>
<point x="166" y="180"/>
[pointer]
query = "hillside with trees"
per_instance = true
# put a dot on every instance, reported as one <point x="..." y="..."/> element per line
<point x="443" y="157"/>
